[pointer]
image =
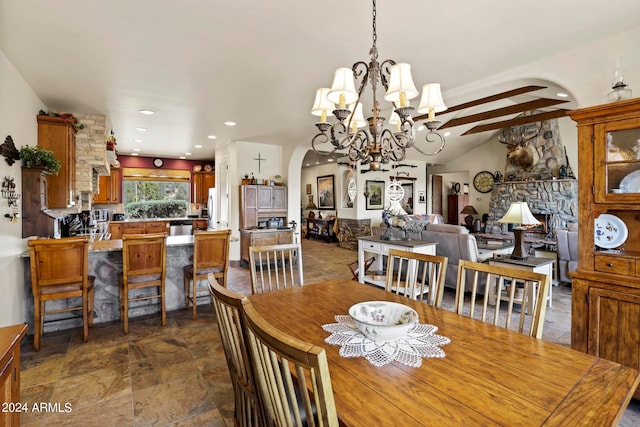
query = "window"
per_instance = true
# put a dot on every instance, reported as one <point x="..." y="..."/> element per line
<point x="150" y="193"/>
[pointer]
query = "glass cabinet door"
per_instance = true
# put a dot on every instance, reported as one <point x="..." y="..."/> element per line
<point x="617" y="174"/>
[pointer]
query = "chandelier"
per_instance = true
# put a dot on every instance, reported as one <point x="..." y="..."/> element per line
<point x="376" y="145"/>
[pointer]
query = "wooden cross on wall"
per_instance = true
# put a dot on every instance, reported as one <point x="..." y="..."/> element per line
<point x="260" y="160"/>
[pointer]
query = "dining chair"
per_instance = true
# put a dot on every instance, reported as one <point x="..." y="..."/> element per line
<point x="275" y="267"/>
<point x="416" y="276"/>
<point x="292" y="376"/>
<point x="59" y="270"/>
<point x="144" y="265"/>
<point x="510" y="286"/>
<point x="210" y="255"/>
<point x="228" y="307"/>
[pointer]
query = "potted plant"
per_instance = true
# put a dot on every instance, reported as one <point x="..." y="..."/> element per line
<point x="33" y="157"/>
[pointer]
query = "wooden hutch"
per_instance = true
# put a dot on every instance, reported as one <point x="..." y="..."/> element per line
<point x="605" y="318"/>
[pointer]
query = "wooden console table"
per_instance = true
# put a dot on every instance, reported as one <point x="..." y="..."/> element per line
<point x="532" y="263"/>
<point x="321" y="229"/>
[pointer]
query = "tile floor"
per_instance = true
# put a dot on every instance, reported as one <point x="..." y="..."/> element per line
<point x="177" y="375"/>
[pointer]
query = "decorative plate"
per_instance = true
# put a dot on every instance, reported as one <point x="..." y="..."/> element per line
<point x="197" y="168"/>
<point x="208" y="168"/>
<point x="631" y="183"/>
<point x="610" y="231"/>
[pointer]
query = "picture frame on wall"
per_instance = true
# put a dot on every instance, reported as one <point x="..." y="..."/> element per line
<point x="374" y="195"/>
<point x="408" y="201"/>
<point x="421" y="197"/>
<point x="326" y="193"/>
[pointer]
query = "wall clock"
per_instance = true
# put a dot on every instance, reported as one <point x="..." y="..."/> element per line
<point x="158" y="163"/>
<point x="483" y="181"/>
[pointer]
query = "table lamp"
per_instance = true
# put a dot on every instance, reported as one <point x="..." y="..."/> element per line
<point x="311" y="206"/>
<point x="520" y="214"/>
<point x="469" y="211"/>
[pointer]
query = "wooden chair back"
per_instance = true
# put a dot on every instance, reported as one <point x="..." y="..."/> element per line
<point x="416" y="276"/>
<point x="228" y="307"/>
<point x="530" y="290"/>
<point x="144" y="265"/>
<point x="59" y="270"/>
<point x="292" y="376"/>
<point x="275" y="267"/>
<point x="210" y="255"/>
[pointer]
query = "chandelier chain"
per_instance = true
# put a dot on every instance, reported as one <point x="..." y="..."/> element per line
<point x="375" y="34"/>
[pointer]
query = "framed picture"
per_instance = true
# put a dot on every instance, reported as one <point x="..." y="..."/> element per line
<point x="374" y="194"/>
<point x="421" y="197"/>
<point x="326" y="195"/>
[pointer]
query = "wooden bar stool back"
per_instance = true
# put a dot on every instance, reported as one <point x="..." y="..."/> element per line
<point x="210" y="256"/>
<point x="59" y="270"/>
<point x="144" y="265"/>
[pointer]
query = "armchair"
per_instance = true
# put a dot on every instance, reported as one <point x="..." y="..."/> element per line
<point x="567" y="253"/>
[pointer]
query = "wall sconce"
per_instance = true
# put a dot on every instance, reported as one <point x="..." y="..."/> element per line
<point x="9" y="192"/>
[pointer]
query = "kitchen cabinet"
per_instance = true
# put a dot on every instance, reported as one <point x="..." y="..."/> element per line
<point x="34" y="200"/>
<point x="455" y="204"/>
<point x="271" y="197"/>
<point x="250" y="238"/>
<point x="56" y="134"/>
<point x="200" y="224"/>
<point x="10" y="338"/>
<point x="109" y="188"/>
<point x="605" y="317"/>
<point x="261" y="202"/>
<point x="201" y="182"/>
<point x="115" y="229"/>
<point x="156" y="227"/>
<point x="118" y="229"/>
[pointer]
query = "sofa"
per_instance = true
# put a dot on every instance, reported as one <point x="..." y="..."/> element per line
<point x="453" y="242"/>
<point x="567" y="253"/>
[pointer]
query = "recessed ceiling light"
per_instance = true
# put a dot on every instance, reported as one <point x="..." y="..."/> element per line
<point x="211" y="136"/>
<point x="230" y="123"/>
<point x="134" y="154"/>
<point x="317" y="163"/>
<point x="141" y="129"/>
<point x="447" y="133"/>
<point x="182" y="157"/>
<point x="330" y="160"/>
<point x="562" y="95"/>
<point x="147" y="112"/>
<point x="187" y="154"/>
<point x="307" y="164"/>
<point x="198" y="146"/>
<point x="137" y="140"/>
<point x="136" y="149"/>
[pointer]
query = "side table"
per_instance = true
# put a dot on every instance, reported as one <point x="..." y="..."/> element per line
<point x="532" y="263"/>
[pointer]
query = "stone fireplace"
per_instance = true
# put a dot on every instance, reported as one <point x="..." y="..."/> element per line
<point x="554" y="202"/>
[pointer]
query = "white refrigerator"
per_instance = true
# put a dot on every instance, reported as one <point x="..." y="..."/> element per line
<point x="212" y="222"/>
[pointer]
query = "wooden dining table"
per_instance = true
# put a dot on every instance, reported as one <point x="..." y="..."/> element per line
<point x="489" y="376"/>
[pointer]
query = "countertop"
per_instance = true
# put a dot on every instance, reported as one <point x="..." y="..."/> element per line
<point x="158" y="219"/>
<point x="266" y="230"/>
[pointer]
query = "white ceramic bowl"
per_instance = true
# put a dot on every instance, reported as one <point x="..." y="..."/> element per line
<point x="383" y="320"/>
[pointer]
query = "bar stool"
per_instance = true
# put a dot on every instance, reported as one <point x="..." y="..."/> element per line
<point x="210" y="255"/>
<point x="59" y="270"/>
<point x="144" y="265"/>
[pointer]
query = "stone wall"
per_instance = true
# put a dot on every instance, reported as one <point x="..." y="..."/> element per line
<point x="556" y="198"/>
<point x="350" y="229"/>
<point x="91" y="157"/>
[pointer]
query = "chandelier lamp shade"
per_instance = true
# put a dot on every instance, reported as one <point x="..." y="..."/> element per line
<point x="520" y="214"/>
<point x="369" y="141"/>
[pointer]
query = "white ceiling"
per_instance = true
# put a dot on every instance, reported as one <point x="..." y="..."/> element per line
<point x="200" y="63"/>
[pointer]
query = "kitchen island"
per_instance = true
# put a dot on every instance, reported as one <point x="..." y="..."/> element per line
<point x="105" y="263"/>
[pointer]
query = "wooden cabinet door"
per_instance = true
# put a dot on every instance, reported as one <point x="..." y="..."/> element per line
<point x="156" y="227"/>
<point x="103" y="196"/>
<point x="115" y="188"/>
<point x="200" y="224"/>
<point x="265" y="197"/>
<point x="56" y="135"/>
<point x="614" y="325"/>
<point x="279" y="197"/>
<point x="202" y="181"/>
<point x="116" y="230"/>
<point x="248" y="206"/>
<point x="133" y="228"/>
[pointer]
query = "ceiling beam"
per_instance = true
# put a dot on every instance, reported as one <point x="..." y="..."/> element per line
<point x="518" y="121"/>
<point x="505" y="111"/>
<point x="480" y="101"/>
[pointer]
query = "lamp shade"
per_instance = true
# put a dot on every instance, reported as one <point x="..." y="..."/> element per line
<point x="322" y="104"/>
<point x="431" y="101"/>
<point x="343" y="84"/>
<point x="356" y="118"/>
<point x="401" y="87"/>
<point x="519" y="213"/>
<point x="311" y="205"/>
<point x="469" y="210"/>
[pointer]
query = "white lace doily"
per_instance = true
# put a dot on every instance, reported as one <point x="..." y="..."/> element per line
<point x="421" y="341"/>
